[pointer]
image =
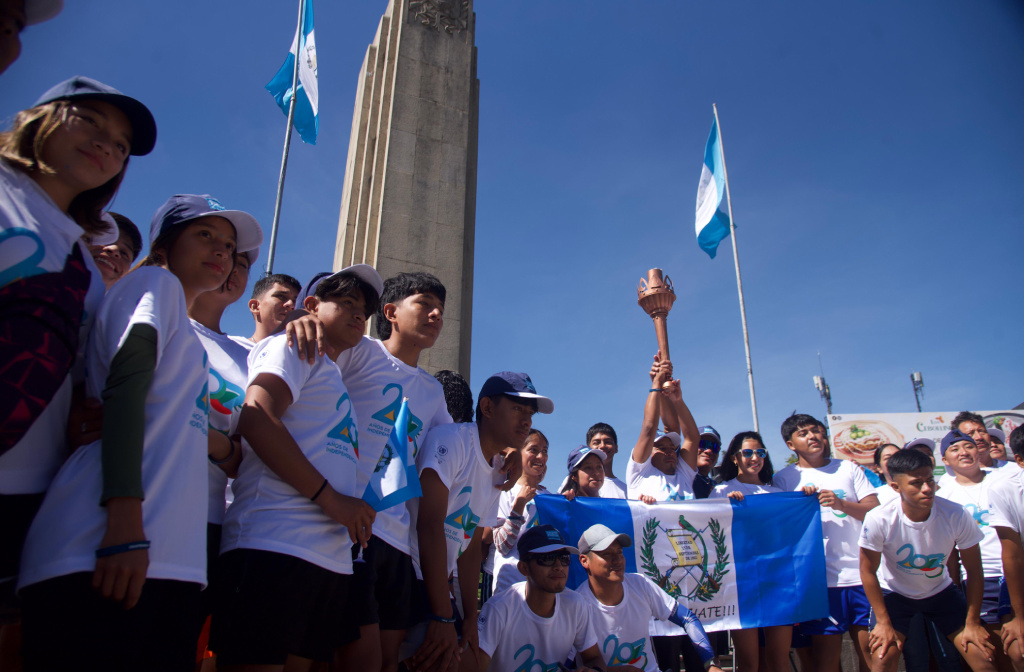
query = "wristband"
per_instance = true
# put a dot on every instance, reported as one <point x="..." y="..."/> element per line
<point x="519" y="518"/>
<point x="122" y="548"/>
<point x="441" y="619"/>
<point x="322" y="486"/>
<point x="654" y="389"/>
<point x="227" y="459"/>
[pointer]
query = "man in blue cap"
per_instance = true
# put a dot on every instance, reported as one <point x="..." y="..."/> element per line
<point x="462" y="471"/>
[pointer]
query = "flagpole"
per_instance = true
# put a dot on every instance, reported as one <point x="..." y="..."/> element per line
<point x="739" y="280"/>
<point x="288" y="140"/>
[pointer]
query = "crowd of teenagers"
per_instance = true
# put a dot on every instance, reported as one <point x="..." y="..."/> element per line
<point x="176" y="498"/>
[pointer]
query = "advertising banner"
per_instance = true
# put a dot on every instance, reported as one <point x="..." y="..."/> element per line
<point x="856" y="435"/>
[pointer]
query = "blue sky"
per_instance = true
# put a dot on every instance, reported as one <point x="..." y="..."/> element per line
<point x="875" y="152"/>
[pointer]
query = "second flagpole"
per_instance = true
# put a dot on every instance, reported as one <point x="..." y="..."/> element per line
<point x="288" y="139"/>
<point x="739" y="279"/>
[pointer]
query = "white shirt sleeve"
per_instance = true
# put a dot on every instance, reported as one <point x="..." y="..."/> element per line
<point x="273" y="356"/>
<point x="662" y="604"/>
<point x="586" y="636"/>
<point x="872" y="533"/>
<point x="489" y="625"/>
<point x="439" y="454"/>
<point x="861" y="485"/>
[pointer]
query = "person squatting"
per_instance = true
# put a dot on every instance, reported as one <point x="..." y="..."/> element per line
<point x="127" y="412"/>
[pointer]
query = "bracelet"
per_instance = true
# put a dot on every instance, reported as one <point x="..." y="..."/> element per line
<point x="516" y="517"/>
<point x="654" y="389"/>
<point x="442" y="619"/>
<point x="122" y="548"/>
<point x="322" y="486"/>
<point x="227" y="459"/>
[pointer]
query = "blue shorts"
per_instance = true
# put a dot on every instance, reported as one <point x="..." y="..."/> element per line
<point x="947" y="610"/>
<point x="990" y="600"/>
<point x="1005" y="609"/>
<point x="848" y="607"/>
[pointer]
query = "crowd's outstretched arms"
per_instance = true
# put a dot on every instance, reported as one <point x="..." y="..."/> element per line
<point x="649" y="429"/>
<point x="689" y="434"/>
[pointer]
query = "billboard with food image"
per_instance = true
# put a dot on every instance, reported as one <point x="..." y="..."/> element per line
<point x="855" y="436"/>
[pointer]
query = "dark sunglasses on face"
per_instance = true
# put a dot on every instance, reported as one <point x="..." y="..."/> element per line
<point x="549" y="559"/>
<point x="710" y="444"/>
<point x="748" y="452"/>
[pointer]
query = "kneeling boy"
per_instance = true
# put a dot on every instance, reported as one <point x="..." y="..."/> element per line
<point x="914" y="535"/>
<point x="624" y="604"/>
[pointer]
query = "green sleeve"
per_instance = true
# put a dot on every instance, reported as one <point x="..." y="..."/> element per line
<point x="124" y="413"/>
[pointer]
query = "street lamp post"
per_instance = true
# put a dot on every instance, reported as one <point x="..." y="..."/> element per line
<point x="918" y="382"/>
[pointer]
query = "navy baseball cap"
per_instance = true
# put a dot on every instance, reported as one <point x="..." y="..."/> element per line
<point x="364" y="272"/>
<point x="579" y="453"/>
<point x="542" y="539"/>
<point x="139" y="116"/>
<point x="515" y="384"/>
<point x="708" y="430"/>
<point x="37" y="11"/>
<point x="183" y="208"/>
<point x="954" y="436"/>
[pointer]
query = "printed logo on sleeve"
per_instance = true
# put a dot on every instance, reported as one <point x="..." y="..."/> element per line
<point x="461" y="522"/>
<point x="201" y="413"/>
<point x="345" y="436"/>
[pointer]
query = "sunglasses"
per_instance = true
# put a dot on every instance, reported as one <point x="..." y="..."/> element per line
<point x="749" y="452"/>
<point x="710" y="444"/>
<point x="549" y="559"/>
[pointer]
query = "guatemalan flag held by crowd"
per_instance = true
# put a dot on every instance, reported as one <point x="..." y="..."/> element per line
<point x="307" y="120"/>
<point x="745" y="564"/>
<point x="395" y="479"/>
<point x="712" y="220"/>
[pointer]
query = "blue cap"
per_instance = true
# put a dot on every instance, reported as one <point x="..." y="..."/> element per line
<point x="953" y="437"/>
<point x="515" y="384"/>
<point x="542" y="539"/>
<point x="579" y="453"/>
<point x="708" y="430"/>
<point x="183" y="208"/>
<point x="139" y="116"/>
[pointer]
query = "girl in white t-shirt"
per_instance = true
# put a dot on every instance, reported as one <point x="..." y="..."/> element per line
<point x="747" y="470"/>
<point x="115" y="559"/>
<point x="61" y="163"/>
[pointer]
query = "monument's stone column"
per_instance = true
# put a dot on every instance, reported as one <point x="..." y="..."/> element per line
<point x="409" y="200"/>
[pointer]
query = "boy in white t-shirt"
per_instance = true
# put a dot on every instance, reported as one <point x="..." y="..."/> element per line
<point x="623" y="604"/>
<point x="1007" y="497"/>
<point x="911" y="539"/>
<point x="286" y="567"/>
<point x="273" y="297"/>
<point x="845" y="495"/>
<point x="970" y="489"/>
<point x="662" y="467"/>
<point x="537" y="624"/>
<point x="461" y="482"/>
<point x="601" y="436"/>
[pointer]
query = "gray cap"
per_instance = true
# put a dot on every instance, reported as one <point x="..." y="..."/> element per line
<point x="599" y="537"/>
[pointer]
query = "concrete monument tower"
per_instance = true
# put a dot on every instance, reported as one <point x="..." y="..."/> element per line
<point x="409" y="200"/>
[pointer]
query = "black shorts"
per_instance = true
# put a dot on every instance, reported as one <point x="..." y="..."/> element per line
<point x="947" y="610"/>
<point x="270" y="605"/>
<point x="66" y="625"/>
<point x="385" y="587"/>
<point x="16" y="514"/>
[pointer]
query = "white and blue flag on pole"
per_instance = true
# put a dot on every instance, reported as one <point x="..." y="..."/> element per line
<point x="395" y="479"/>
<point x="307" y="120"/>
<point x="748" y="564"/>
<point x="712" y="220"/>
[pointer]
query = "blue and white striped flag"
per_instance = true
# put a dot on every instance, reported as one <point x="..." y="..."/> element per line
<point x="746" y="564"/>
<point x="394" y="479"/>
<point x="712" y="220"/>
<point x="307" y="119"/>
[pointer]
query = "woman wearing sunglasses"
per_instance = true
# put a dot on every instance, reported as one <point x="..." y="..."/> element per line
<point x="747" y="470"/>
